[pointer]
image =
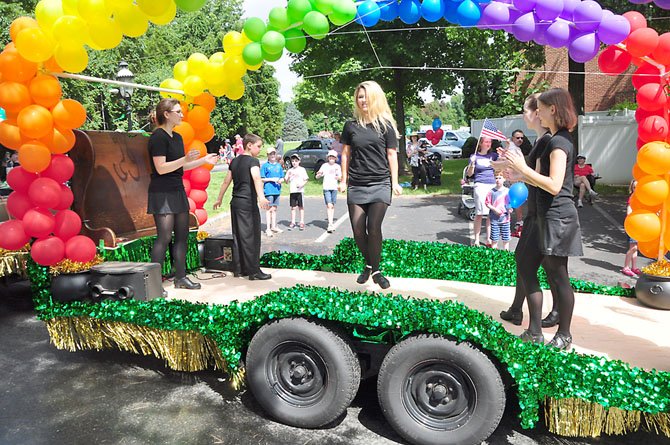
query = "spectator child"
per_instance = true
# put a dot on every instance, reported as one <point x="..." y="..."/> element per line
<point x="297" y="177"/>
<point x="272" y="175"/>
<point x="497" y="201"/>
<point x="629" y="267"/>
<point x="331" y="174"/>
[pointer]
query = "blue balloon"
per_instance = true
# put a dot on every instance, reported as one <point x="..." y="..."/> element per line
<point x="437" y="124"/>
<point x="518" y="194"/>
<point x="450" y="8"/>
<point x="389" y="10"/>
<point x="409" y="11"/>
<point x="468" y="13"/>
<point x="432" y="10"/>
<point x="368" y="14"/>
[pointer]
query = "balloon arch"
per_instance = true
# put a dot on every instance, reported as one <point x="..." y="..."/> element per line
<point x="40" y="122"/>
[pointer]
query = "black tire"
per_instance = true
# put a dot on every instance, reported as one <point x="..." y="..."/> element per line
<point x="472" y="213"/>
<point x="287" y="163"/>
<point x="283" y="351"/>
<point x="434" y="391"/>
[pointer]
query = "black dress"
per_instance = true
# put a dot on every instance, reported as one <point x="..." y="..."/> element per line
<point x="166" y="192"/>
<point x="557" y="219"/>
<point x="245" y="217"/>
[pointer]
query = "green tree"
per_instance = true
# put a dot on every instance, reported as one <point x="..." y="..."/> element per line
<point x="295" y="128"/>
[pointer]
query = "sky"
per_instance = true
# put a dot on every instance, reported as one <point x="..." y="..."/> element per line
<point x="286" y="78"/>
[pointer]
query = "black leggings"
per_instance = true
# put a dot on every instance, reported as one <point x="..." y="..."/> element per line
<point x="165" y="225"/>
<point x="366" y="223"/>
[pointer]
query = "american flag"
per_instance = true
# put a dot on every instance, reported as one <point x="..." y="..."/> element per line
<point x="489" y="130"/>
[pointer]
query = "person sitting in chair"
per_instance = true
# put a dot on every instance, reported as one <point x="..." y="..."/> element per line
<point x="584" y="179"/>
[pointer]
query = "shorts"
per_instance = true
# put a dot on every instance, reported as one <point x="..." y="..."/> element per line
<point x="480" y="192"/>
<point x="274" y="200"/>
<point x="330" y="196"/>
<point x="560" y="236"/>
<point x="163" y="203"/>
<point x="500" y="231"/>
<point x="295" y="200"/>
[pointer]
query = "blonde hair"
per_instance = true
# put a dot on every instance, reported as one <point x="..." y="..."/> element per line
<point x="379" y="113"/>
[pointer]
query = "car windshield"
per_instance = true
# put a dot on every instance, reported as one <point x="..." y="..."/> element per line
<point x="310" y="144"/>
<point x="462" y="134"/>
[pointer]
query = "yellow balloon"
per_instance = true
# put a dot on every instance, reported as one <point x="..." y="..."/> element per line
<point x="253" y="67"/>
<point x="47" y="12"/>
<point x="132" y="20"/>
<point x="180" y="70"/>
<point x="235" y="90"/>
<point x="233" y="43"/>
<point x="34" y="45"/>
<point x="235" y="67"/>
<point x="113" y="5"/>
<point x="107" y="35"/>
<point x="167" y="16"/>
<point x="93" y="11"/>
<point x="215" y="75"/>
<point x="245" y="40"/>
<point x="71" y="58"/>
<point x="172" y="84"/>
<point x="153" y="8"/>
<point x="71" y="29"/>
<point x="69" y="7"/>
<point x="218" y="90"/>
<point x="218" y="57"/>
<point x="194" y="86"/>
<point x="198" y="63"/>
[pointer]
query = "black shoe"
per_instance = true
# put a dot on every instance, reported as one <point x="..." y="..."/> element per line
<point x="514" y="316"/>
<point x="550" y="320"/>
<point x="561" y="341"/>
<point x="186" y="283"/>
<point x="365" y="275"/>
<point x="529" y="337"/>
<point x="381" y="280"/>
<point x="260" y="275"/>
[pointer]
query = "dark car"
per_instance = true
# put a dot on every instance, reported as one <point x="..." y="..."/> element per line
<point x="313" y="153"/>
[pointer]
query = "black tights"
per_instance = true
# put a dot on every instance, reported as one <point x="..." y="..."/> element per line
<point x="165" y="225"/>
<point x="366" y="223"/>
<point x="527" y="264"/>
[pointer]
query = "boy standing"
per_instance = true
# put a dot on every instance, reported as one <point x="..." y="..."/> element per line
<point x="272" y="175"/>
<point x="497" y="201"/>
<point x="331" y="174"/>
<point x="297" y="177"/>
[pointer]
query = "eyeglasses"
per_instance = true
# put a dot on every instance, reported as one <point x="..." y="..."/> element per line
<point x="518" y="137"/>
<point x="176" y="111"/>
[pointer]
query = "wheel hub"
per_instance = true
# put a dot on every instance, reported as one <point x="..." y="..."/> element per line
<point x="297" y="374"/>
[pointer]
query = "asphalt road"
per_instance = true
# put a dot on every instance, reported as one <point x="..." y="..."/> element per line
<point x="53" y="397"/>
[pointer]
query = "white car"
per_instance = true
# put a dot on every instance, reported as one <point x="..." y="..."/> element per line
<point x="443" y="149"/>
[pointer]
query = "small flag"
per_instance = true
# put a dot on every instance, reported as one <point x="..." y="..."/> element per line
<point x="489" y="130"/>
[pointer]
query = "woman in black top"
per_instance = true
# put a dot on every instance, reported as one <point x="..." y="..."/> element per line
<point x="167" y="197"/>
<point x="559" y="234"/>
<point x="245" y="174"/>
<point x="370" y="173"/>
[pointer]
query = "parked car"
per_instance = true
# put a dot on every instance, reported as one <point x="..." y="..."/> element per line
<point x="313" y="153"/>
<point x="442" y="149"/>
<point x="455" y="138"/>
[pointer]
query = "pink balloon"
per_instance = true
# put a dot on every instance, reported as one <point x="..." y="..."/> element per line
<point x="80" y="248"/>
<point x="191" y="205"/>
<point x="20" y="179"/>
<point x="18" y="204"/>
<point x="48" y="251"/>
<point x="201" y="214"/>
<point x="60" y="169"/>
<point x="38" y="223"/>
<point x="44" y="192"/>
<point x="13" y="235"/>
<point x="67" y="224"/>
<point x="66" y="198"/>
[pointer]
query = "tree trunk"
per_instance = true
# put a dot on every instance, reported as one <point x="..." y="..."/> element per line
<point x="576" y="85"/>
<point x="399" y="87"/>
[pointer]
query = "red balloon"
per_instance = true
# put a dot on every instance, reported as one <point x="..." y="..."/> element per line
<point x="66" y="198"/>
<point x="13" y="235"/>
<point x="653" y="128"/>
<point x="199" y="197"/>
<point x="187" y="174"/>
<point x="646" y="73"/>
<point x="642" y="42"/>
<point x="44" y="192"/>
<point x="639" y="144"/>
<point x="636" y="20"/>
<point x="187" y="185"/>
<point x="430" y="134"/>
<point x="18" y="204"/>
<point x="200" y="178"/>
<point x="80" y="248"/>
<point x="38" y="223"/>
<point x="439" y="133"/>
<point x="20" y="179"/>
<point x="191" y="205"/>
<point x="613" y="60"/>
<point x="662" y="52"/>
<point x="641" y="114"/>
<point x="201" y="214"/>
<point x="68" y="224"/>
<point x="651" y="97"/>
<point x="60" y="169"/>
<point x="435" y="140"/>
<point x="48" y="251"/>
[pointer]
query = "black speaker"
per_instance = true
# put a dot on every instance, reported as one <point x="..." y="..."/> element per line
<point x="219" y="252"/>
<point x="122" y="280"/>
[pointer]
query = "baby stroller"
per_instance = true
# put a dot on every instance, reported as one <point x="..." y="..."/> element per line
<point x="467" y="202"/>
<point x="433" y="164"/>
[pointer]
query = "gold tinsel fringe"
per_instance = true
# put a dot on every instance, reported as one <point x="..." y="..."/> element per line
<point x="13" y="262"/>
<point x="181" y="350"/>
<point x="578" y="418"/>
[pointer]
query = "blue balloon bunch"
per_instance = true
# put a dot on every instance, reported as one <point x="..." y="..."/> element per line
<point x="461" y="12"/>
<point x="437" y="124"/>
<point x="518" y="194"/>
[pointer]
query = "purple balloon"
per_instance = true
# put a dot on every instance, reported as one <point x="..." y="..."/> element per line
<point x="663" y="4"/>
<point x="569" y="9"/>
<point x="525" y="5"/>
<point x="513" y="15"/>
<point x="524" y="27"/>
<point x="558" y="34"/>
<point x="541" y="33"/>
<point x="587" y="15"/>
<point x="640" y="2"/>
<point x="496" y="15"/>
<point x="548" y="9"/>
<point x="613" y="29"/>
<point x="584" y="47"/>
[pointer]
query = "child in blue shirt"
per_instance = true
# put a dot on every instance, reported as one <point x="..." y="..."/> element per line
<point x="272" y="175"/>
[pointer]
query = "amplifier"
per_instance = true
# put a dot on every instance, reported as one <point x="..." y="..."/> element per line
<point x="219" y="252"/>
<point x="122" y="280"/>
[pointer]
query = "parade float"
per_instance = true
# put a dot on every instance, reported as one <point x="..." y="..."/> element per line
<point x="444" y="370"/>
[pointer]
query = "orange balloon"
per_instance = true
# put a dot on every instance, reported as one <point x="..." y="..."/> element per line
<point x="649" y="248"/>
<point x="45" y="90"/>
<point x="207" y="166"/>
<point x="654" y="158"/>
<point x="62" y="140"/>
<point x="205" y="100"/>
<point x="186" y="131"/>
<point x="636" y="204"/>
<point x="19" y="25"/>
<point x="35" y="122"/>
<point x="10" y="135"/>
<point x="15" y="68"/>
<point x="34" y="156"/>
<point x="185" y="108"/>
<point x="205" y="134"/>
<point x="52" y="66"/>
<point x="638" y="172"/>
<point x="69" y="113"/>
<point x="652" y="190"/>
<point x="14" y="96"/>
<point x="643" y="225"/>
<point x="198" y="117"/>
<point x="197" y="145"/>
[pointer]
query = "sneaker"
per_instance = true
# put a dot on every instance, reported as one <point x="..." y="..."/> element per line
<point x="291" y="226"/>
<point x="593" y="194"/>
<point x="580" y="203"/>
<point x="302" y="226"/>
<point x="636" y="271"/>
<point x="628" y="272"/>
<point x="277" y="230"/>
<point x="269" y="233"/>
<point x="330" y="228"/>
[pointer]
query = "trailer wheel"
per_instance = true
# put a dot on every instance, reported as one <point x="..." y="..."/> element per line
<point x="302" y="373"/>
<point x="434" y="391"/>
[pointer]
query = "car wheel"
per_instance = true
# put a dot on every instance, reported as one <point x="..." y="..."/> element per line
<point x="471" y="214"/>
<point x="287" y="162"/>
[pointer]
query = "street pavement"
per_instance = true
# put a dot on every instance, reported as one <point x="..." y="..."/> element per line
<point x="53" y="397"/>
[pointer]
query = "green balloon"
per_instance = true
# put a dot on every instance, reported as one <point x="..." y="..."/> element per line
<point x="344" y="11"/>
<point x="189" y="5"/>
<point x="278" y="18"/>
<point x="297" y="9"/>
<point x="324" y="6"/>
<point x="254" y="28"/>
<point x="253" y="54"/>
<point x="295" y="40"/>
<point x="273" y="42"/>
<point x="316" y="25"/>
<point x="272" y="57"/>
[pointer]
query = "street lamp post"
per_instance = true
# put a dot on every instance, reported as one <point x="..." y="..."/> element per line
<point x="126" y="92"/>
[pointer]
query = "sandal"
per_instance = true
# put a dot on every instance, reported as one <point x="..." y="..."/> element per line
<point x="291" y="226"/>
<point x="302" y="226"/>
<point x="628" y="272"/>
<point x="529" y="337"/>
<point x="561" y="341"/>
<point x="636" y="271"/>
